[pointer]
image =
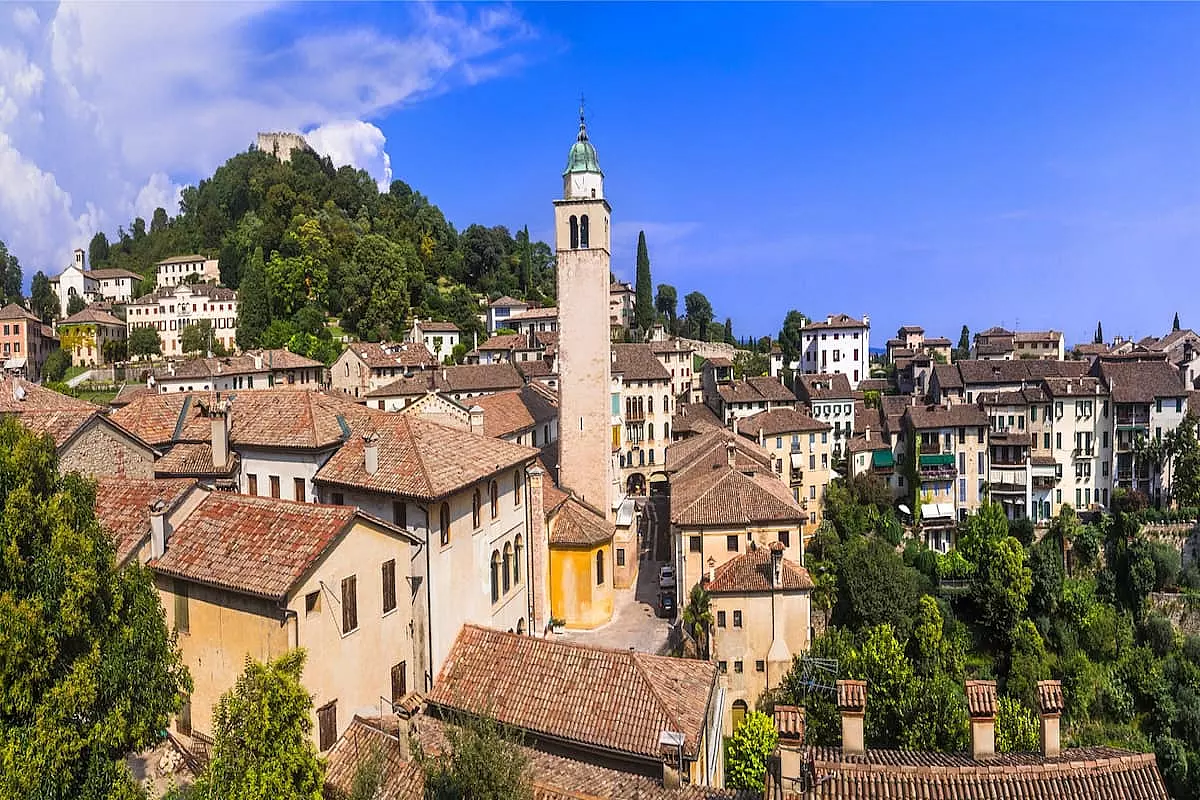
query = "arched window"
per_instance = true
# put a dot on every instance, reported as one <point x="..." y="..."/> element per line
<point x="518" y="552"/>
<point x="650" y="432"/>
<point x="444" y="524"/>
<point x="495" y="576"/>
<point x="666" y="404"/>
<point x="516" y="487"/>
<point x="650" y="404"/>
<point x="521" y="626"/>
<point x="476" y="508"/>
<point x="739" y="713"/>
<point x="574" y="232"/>
<point x="599" y="567"/>
<point x="666" y="430"/>
<point x="508" y="559"/>
<point x="583" y="231"/>
<point x="546" y="433"/>
<point x="494" y="491"/>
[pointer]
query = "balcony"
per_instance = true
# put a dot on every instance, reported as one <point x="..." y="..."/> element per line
<point x="937" y="467"/>
<point x="1130" y="419"/>
<point x="635" y="415"/>
<point x="1084" y="452"/>
<point x="1008" y="480"/>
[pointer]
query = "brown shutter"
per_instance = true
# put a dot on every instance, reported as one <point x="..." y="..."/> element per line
<point x="399" y="681"/>
<point x="389" y="585"/>
<point x="327" y="725"/>
<point x="349" y="604"/>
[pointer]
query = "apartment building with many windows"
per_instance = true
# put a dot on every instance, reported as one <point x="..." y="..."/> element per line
<point x="840" y="344"/>
<point x="170" y="309"/>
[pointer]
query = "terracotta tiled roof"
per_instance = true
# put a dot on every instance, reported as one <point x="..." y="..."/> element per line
<point x="123" y="507"/>
<point x="728" y="496"/>
<point x="693" y="417"/>
<point x="789" y="722"/>
<point x="399" y="779"/>
<point x="254" y="545"/>
<point x="718" y="361"/>
<point x="1020" y="397"/>
<point x="550" y="312"/>
<point x="859" y="444"/>
<point x="1028" y="337"/>
<point x="851" y="695"/>
<point x="302" y="419"/>
<point x="576" y="524"/>
<point x="109" y="274"/>
<point x="36" y="398"/>
<point x="209" y="290"/>
<point x="911" y="329"/>
<point x="1140" y="381"/>
<point x="505" y="342"/>
<point x="244" y="364"/>
<point x="823" y="387"/>
<point x="128" y="392"/>
<point x="60" y="425"/>
<point x="751" y="572"/>
<point x="538" y="368"/>
<point x="1076" y="774"/>
<point x="779" y="421"/>
<point x="669" y="346"/>
<point x="981" y="699"/>
<point x="510" y="412"/>
<point x="14" y="311"/>
<point x="1090" y="349"/>
<point x="873" y="385"/>
<point x="465" y="378"/>
<point x="1015" y="371"/>
<point x="387" y="355"/>
<point x="434" y="326"/>
<point x="1050" y="697"/>
<point x="837" y="321"/>
<point x="948" y="376"/>
<point x="181" y="259"/>
<point x="193" y="458"/>
<point x="1062" y="387"/>
<point x="709" y="449"/>
<point x="755" y="390"/>
<point x="936" y="341"/>
<point x="637" y="362"/>
<point x="421" y="459"/>
<point x="923" y="417"/>
<point x="93" y="316"/>
<point x="506" y="301"/>
<point x="588" y="696"/>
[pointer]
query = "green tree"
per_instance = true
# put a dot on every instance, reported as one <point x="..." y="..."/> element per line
<point x="196" y="337"/>
<point x="747" y="752"/>
<point x="1099" y="337"/>
<point x="1017" y="728"/>
<point x="254" y="308"/>
<point x="1029" y="663"/>
<point x="56" y="365"/>
<point x="1001" y="581"/>
<point x="10" y="277"/>
<point x="75" y="304"/>
<point x="875" y="587"/>
<point x="42" y="299"/>
<point x="298" y="273"/>
<point x="963" y="351"/>
<point x="699" y="313"/>
<point x="666" y="303"/>
<point x="698" y="618"/>
<point x="88" y="669"/>
<point x="747" y="364"/>
<point x="261" y="737"/>
<point x="377" y="287"/>
<point x="643" y="306"/>
<point x="729" y="331"/>
<point x="144" y="342"/>
<point x="1185" y="475"/>
<point x="114" y="350"/>
<point x="790" y="339"/>
<point x="889" y="674"/>
<point x="98" y="250"/>
<point x="159" y="222"/>
<point x="483" y="761"/>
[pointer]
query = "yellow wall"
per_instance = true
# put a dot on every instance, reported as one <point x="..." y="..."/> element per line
<point x="575" y="596"/>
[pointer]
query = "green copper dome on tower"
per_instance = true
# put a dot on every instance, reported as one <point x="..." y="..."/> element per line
<point x="582" y="157"/>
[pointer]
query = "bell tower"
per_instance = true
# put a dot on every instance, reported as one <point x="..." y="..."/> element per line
<point x="581" y="234"/>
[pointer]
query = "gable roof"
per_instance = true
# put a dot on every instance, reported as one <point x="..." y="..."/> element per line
<point x="756" y="389"/>
<point x="123" y="507"/>
<point x="385" y="355"/>
<point x="506" y="302"/>
<point x="91" y="315"/>
<point x="112" y="273"/>
<point x="14" y="311"/>
<point x="778" y="421"/>
<point x="574" y="523"/>
<point x="974" y="372"/>
<point x="637" y="362"/>
<point x="961" y="415"/>
<point x="693" y="418"/>
<point x="751" y="572"/>
<point x="462" y="378"/>
<point x="193" y="459"/>
<point x="728" y="496"/>
<point x="835" y="386"/>
<point x="437" y="326"/>
<point x="837" y="321"/>
<point x="1138" y="381"/>
<point x="587" y="696"/>
<point x="250" y="362"/>
<point x="709" y="449"/>
<point x="510" y="412"/>
<point x="259" y="546"/>
<point x="421" y="459"/>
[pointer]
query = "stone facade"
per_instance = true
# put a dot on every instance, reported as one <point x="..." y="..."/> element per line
<point x="101" y="450"/>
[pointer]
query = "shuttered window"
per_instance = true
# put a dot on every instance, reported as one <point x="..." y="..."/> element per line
<point x="327" y="725"/>
<point x="349" y="604"/>
<point x="389" y="586"/>
<point x="399" y="681"/>
<point x="182" y="623"/>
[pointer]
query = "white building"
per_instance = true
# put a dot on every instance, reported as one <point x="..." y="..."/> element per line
<point x="256" y="369"/>
<point x="439" y="337"/>
<point x="840" y="344"/>
<point x="93" y="285"/>
<point x="171" y="309"/>
<point x="501" y="309"/>
<point x="176" y="270"/>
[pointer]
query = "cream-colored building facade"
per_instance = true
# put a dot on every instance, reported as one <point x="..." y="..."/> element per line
<point x="802" y="450"/>
<point x="170" y="309"/>
<point x="85" y="334"/>
<point x="178" y="269"/>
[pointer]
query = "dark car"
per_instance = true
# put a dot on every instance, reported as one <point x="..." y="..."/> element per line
<point x="666" y="605"/>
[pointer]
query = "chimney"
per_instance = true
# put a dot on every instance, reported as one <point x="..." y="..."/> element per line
<point x="371" y="453"/>
<point x="735" y="424"/>
<point x="670" y="776"/>
<point x="852" y="702"/>
<point x="219" y="417"/>
<point x="539" y="551"/>
<point x="475" y="419"/>
<point x="776" y="565"/>
<point x="761" y="437"/>
<point x="712" y="569"/>
<point x="160" y="531"/>
<point x="868" y="433"/>
<point x="730" y="453"/>
<point x="1050" y="708"/>
<point x="981" y="704"/>
<point x="790" y="779"/>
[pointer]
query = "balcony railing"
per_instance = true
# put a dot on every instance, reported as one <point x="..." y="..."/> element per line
<point x="1133" y="418"/>
<point x="939" y="472"/>
<point x="1007" y="477"/>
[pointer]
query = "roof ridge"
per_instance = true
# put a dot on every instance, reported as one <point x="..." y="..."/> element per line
<point x="412" y="434"/>
<point x="636" y="658"/>
<point x="181" y="420"/>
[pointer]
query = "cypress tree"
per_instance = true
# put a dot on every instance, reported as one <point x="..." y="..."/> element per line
<point x="254" y="313"/>
<point x="729" y="331"/>
<point x="643" y="304"/>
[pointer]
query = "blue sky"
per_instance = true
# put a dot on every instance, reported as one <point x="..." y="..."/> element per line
<point x="938" y="164"/>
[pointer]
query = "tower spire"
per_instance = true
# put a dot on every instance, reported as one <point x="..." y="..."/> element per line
<point x="582" y="122"/>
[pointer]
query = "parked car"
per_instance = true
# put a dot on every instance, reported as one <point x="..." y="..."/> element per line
<point x="666" y="577"/>
<point x="666" y="604"/>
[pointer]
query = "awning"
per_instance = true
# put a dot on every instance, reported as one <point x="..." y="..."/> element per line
<point x="15" y="363"/>
<point x="943" y="460"/>
<point x="882" y="459"/>
<point x="797" y="461"/>
<point x="937" y="510"/>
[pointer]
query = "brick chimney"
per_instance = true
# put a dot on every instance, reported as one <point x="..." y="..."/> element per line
<point x="852" y="702"/>
<point x="731" y="453"/>
<point x="981" y="705"/>
<point x="1050" y="708"/>
<point x="475" y="419"/>
<point x="539" y="552"/>
<point x="786" y="767"/>
<point x="776" y="565"/>
<point x="371" y="453"/>
<point x="219" y="417"/>
<point x="160" y="529"/>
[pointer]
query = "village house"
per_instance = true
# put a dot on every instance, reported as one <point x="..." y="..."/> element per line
<point x="735" y="399"/>
<point x="830" y="399"/>
<point x="464" y="497"/>
<point x="692" y="419"/>
<point x="1004" y="345"/>
<point x="535" y="320"/>
<point x="330" y="579"/>
<point x="583" y="564"/>
<point x="169" y="309"/>
<point x="85" y="334"/>
<point x="527" y="416"/>
<point x="440" y="338"/>
<point x="642" y="410"/>
<point x="186" y="269"/>
<point x="802" y="450"/>
<point x="1022" y="465"/>
<point x="123" y="510"/>
<point x="501" y="309"/>
<point x="92" y="285"/>
<point x="25" y="342"/>
<point x="676" y="357"/>
<point x="364" y="367"/>
<point x="840" y="344"/>
<point x="621" y="299"/>
<point x="254" y="369"/>
<point x="459" y="383"/>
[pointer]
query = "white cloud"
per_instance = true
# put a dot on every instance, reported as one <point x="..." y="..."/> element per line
<point x="105" y="116"/>
<point x="357" y="143"/>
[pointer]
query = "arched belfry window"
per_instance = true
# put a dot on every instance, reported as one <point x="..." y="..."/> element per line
<point x="575" y="231"/>
<point x="583" y="231"/>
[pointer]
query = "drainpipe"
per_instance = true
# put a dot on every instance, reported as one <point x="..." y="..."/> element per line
<point x="428" y="603"/>
<point x="290" y="612"/>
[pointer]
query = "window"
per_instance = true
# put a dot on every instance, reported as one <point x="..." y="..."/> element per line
<point x="1033" y="413"/>
<point x="694" y="544"/>
<point x="620" y="556"/>
<point x="737" y="619"/>
<point x="812" y="492"/>
<point x="574" y="232"/>
<point x="516" y="487"/>
<point x="399" y="513"/>
<point x="760" y="666"/>
<point x="1104" y="439"/>
<point x="327" y="725"/>
<point x="1046" y="440"/>
<point x="962" y="490"/>
<point x="183" y="720"/>
<point x="312" y="603"/>
<point x="507" y="567"/>
<point x="339" y="499"/>
<point x="785" y="538"/>
<point x="599" y="567"/>
<point x="583" y="231"/>
<point x="389" y="585"/>
<point x="182" y="622"/>
<point x="444" y="523"/>
<point x="737" y="666"/>
<point x="1058" y="440"/>
<point x="494" y="494"/>
<point x="476" y="508"/>
<point x="275" y="486"/>
<point x="252" y="483"/>
<point x="495" y="576"/>
<point x="517" y="550"/>
<point x="298" y="489"/>
<point x="720" y="619"/>
<point x="723" y="667"/>
<point x="399" y="681"/>
<point x="349" y="604"/>
<point x="731" y="543"/>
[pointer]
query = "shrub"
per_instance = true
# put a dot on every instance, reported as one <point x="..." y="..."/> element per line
<point x="1158" y="632"/>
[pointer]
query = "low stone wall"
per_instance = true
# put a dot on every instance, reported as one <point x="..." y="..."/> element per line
<point x="1184" y="616"/>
